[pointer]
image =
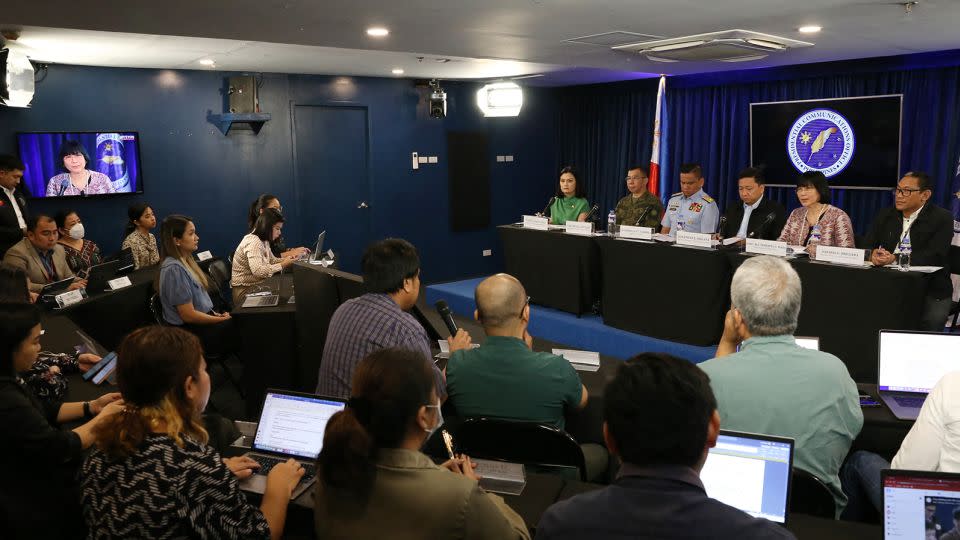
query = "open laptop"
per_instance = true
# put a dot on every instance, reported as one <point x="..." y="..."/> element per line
<point x="750" y="472"/>
<point x="318" y="247"/>
<point x="291" y="426"/>
<point x="260" y="300"/>
<point x="808" y="342"/>
<point x="98" y="276"/>
<point x="910" y="365"/>
<point x="56" y="287"/>
<point x="918" y="504"/>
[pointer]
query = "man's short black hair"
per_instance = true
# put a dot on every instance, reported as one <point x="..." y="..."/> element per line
<point x="657" y="410"/>
<point x="692" y="168"/>
<point x="753" y="172"/>
<point x="817" y="181"/>
<point x="387" y="263"/>
<point x="10" y="162"/>
<point x="640" y="168"/>
<point x="923" y="179"/>
<point x="34" y="219"/>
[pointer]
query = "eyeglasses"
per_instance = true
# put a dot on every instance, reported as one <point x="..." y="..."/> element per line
<point x="525" y="304"/>
<point x="905" y="192"/>
<point x="805" y="188"/>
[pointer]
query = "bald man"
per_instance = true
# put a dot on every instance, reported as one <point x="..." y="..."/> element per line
<point x="505" y="378"/>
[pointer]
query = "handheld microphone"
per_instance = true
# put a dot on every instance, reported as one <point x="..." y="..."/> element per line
<point x="766" y="221"/>
<point x="549" y="204"/>
<point x="642" y="215"/>
<point x="444" y="310"/>
<point x="593" y="211"/>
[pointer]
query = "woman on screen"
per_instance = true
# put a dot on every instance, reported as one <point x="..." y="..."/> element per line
<point x="253" y="262"/>
<point x="81" y="253"/>
<point x="571" y="199"/>
<point x="77" y="179"/>
<point x="816" y="222"/>
<point x="137" y="235"/>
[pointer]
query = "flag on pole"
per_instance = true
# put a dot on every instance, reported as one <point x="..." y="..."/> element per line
<point x="653" y="185"/>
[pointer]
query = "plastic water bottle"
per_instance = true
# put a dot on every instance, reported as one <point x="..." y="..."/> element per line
<point x="815" y="235"/>
<point x="905" y="251"/>
<point x="612" y="223"/>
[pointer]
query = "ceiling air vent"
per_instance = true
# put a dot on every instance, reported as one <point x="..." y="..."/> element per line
<point x="726" y="46"/>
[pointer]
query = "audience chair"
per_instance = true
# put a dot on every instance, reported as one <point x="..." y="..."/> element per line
<point x="220" y="272"/>
<point x="809" y="495"/>
<point x="156" y="309"/>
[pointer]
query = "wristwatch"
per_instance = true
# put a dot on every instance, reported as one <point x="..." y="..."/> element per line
<point x="87" y="413"/>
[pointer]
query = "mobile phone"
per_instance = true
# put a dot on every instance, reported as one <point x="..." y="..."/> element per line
<point x="448" y="442"/>
<point x="868" y="401"/>
<point x="109" y="367"/>
<point x="96" y="368"/>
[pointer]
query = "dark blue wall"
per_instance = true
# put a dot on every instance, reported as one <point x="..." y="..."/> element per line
<point x="190" y="167"/>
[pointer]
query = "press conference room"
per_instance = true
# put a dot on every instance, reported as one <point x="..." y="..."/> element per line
<point x="537" y="269"/>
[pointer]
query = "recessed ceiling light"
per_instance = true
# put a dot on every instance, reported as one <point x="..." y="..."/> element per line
<point x="377" y="31"/>
<point x="397" y="71"/>
<point x="207" y="62"/>
<point x="812" y="29"/>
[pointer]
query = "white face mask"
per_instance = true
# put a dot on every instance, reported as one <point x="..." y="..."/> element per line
<point x="76" y="232"/>
<point x="439" y="420"/>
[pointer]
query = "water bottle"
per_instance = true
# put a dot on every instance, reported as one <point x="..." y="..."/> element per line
<point x="815" y="235"/>
<point x="905" y="251"/>
<point x="612" y="223"/>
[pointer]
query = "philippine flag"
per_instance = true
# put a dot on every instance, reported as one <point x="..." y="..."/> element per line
<point x="653" y="185"/>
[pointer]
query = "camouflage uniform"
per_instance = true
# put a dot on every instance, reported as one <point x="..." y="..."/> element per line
<point x="629" y="210"/>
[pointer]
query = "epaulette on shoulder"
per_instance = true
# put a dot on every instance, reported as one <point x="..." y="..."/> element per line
<point x="708" y="198"/>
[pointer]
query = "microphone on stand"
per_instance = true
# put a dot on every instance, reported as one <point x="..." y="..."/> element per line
<point x="721" y="224"/>
<point x="593" y="211"/>
<point x="444" y="310"/>
<point x="643" y="215"/>
<point x="766" y="221"/>
<point x="549" y="204"/>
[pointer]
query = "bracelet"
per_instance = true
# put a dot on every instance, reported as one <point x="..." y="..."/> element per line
<point x="86" y="410"/>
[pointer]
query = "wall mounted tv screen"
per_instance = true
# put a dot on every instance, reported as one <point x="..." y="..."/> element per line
<point x="855" y="142"/>
<point x="81" y="163"/>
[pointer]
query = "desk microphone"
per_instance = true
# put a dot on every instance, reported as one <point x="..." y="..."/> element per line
<point x="642" y="215"/>
<point x="721" y="224"/>
<point x="444" y="310"/>
<point x="766" y="221"/>
<point x="593" y="211"/>
<point x="549" y="204"/>
<point x="64" y="184"/>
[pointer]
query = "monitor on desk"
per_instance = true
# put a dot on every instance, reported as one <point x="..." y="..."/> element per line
<point x="919" y="504"/>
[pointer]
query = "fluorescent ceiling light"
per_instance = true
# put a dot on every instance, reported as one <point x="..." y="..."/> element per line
<point x="397" y="71"/>
<point x="500" y="99"/>
<point x="377" y="31"/>
<point x="812" y="29"/>
<point x="207" y="62"/>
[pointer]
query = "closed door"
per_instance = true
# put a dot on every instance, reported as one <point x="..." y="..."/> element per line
<point x="332" y="165"/>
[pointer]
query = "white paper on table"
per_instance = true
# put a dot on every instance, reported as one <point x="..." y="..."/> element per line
<point x="660" y="237"/>
<point x="921" y="269"/>
<point x="587" y="358"/>
<point x="734" y="240"/>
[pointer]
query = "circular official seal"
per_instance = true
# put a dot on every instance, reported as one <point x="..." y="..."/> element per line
<point x="821" y="140"/>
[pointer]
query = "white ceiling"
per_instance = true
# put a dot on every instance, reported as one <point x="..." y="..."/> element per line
<point x="482" y="38"/>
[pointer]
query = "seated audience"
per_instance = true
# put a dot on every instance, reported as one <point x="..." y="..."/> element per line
<point x="372" y="479"/>
<point x="660" y="420"/>
<point x="816" y="217"/>
<point x="570" y="202"/>
<point x="182" y="286"/>
<point x="13" y="211"/>
<point x="691" y="209"/>
<point x="277" y="245"/>
<point x="379" y="319"/>
<point x="773" y="385"/>
<point x="639" y="208"/>
<point x="253" y="261"/>
<point x="40" y="256"/>
<point x="753" y="216"/>
<point x="81" y="254"/>
<point x="137" y="235"/>
<point x="38" y="494"/>
<point x="930" y="229"/>
<point x="152" y="474"/>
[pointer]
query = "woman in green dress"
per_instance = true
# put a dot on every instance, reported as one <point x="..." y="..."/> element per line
<point x="571" y="202"/>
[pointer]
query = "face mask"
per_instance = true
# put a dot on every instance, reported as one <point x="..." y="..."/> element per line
<point x="76" y="232"/>
<point x="439" y="420"/>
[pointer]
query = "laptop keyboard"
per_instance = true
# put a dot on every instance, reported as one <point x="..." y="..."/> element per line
<point x="268" y="463"/>
<point x="912" y="402"/>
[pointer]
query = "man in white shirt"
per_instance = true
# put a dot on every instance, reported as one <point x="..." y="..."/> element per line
<point x="13" y="205"/>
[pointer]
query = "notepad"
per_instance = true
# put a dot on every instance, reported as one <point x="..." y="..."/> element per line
<point x="501" y="476"/>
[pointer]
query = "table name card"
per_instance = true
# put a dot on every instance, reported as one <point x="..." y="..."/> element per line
<point x="693" y="239"/>
<point x="68" y="298"/>
<point x="839" y="255"/>
<point x="119" y="283"/>
<point x="204" y="256"/>
<point x="766" y="247"/>
<point x="534" y="222"/>
<point x="580" y="227"/>
<point x="639" y="233"/>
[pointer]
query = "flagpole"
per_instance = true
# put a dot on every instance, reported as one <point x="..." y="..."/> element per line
<point x="653" y="183"/>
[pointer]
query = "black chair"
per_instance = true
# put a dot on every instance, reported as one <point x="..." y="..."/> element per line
<point x="809" y="495"/>
<point x="157" y="309"/>
<point x="954" y="261"/>
<point x="220" y="272"/>
<point x="520" y="442"/>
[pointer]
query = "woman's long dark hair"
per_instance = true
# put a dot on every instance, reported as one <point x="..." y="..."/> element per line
<point x="134" y="212"/>
<point x="263" y="226"/>
<point x="255" y="208"/>
<point x="16" y="322"/>
<point x="389" y="387"/>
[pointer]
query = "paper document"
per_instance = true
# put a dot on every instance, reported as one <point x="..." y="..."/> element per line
<point x="663" y="238"/>
<point x="734" y="240"/>
<point x="587" y="358"/>
<point x="500" y="476"/>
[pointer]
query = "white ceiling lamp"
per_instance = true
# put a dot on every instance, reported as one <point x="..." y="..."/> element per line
<point x="16" y="79"/>
<point x="397" y="71"/>
<point x="810" y="29"/>
<point x="378" y="31"/>
<point x="500" y="99"/>
<point x="207" y="62"/>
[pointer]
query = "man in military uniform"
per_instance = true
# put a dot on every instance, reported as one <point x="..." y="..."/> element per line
<point x="639" y="203"/>
<point x="691" y="210"/>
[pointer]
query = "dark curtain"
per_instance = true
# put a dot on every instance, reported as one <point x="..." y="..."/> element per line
<point x="709" y="123"/>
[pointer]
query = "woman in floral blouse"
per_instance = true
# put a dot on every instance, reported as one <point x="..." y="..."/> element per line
<point x="138" y="238"/>
<point x="817" y="222"/>
<point x="81" y="253"/>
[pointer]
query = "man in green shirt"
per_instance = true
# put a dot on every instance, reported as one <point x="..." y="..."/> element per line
<point x="774" y="386"/>
<point x="639" y="203"/>
<point x="505" y="378"/>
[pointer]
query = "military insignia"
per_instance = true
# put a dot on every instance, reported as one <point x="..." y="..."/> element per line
<point x="696" y="207"/>
<point x="708" y="198"/>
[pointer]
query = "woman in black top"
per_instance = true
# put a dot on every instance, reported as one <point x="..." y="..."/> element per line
<point x="38" y="497"/>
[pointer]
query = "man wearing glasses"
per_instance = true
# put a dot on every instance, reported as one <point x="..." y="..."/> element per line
<point x="930" y="230"/>
<point x="640" y="207"/>
<point x="757" y="216"/>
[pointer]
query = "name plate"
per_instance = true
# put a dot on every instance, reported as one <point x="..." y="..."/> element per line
<point x="693" y="239"/>
<point x="839" y="255"/>
<point x="766" y="247"/>
<point x="204" y="256"/>
<point x="639" y="233"/>
<point x="119" y="283"/>
<point x="535" y="222"/>
<point x="68" y="298"/>
<point x="580" y="227"/>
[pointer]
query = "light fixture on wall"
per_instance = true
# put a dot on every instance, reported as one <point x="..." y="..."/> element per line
<point x="500" y="99"/>
<point x="16" y="79"/>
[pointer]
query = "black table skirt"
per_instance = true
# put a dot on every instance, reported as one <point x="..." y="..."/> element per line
<point x="665" y="291"/>
<point x="558" y="270"/>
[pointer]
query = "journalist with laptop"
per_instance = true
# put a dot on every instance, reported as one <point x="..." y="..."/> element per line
<point x="253" y="262"/>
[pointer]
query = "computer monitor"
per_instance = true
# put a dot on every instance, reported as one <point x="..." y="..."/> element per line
<point x="918" y="504"/>
<point x="750" y="472"/>
<point x="915" y="361"/>
<point x="808" y="342"/>
<point x="292" y="423"/>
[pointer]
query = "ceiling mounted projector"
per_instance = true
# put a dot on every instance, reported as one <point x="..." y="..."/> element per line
<point x="16" y="79"/>
<point x="726" y="46"/>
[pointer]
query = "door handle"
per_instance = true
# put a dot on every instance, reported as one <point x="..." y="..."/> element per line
<point x="363" y="205"/>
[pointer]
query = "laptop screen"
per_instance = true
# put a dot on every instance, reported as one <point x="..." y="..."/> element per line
<point x="915" y="361"/>
<point x="750" y="472"/>
<point x="293" y="424"/>
<point x="919" y="504"/>
<point x="808" y="342"/>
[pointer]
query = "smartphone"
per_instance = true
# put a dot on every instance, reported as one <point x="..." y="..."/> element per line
<point x="109" y="367"/>
<point x="868" y="401"/>
<point x="96" y="368"/>
<point x="448" y="442"/>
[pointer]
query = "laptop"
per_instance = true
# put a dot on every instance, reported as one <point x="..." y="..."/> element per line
<point x="318" y="247"/>
<point x="90" y="344"/>
<point x="918" y="504"/>
<point x="291" y="426"/>
<point x="56" y="287"/>
<point x="126" y="261"/>
<point x="910" y="364"/>
<point x="99" y="275"/>
<point x="750" y="472"/>
<point x="808" y="342"/>
<point x="263" y="300"/>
